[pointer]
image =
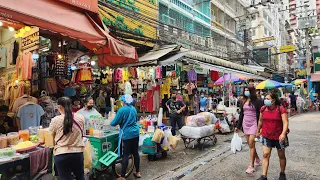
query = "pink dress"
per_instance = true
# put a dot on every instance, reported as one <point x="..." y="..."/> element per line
<point x="249" y="123"/>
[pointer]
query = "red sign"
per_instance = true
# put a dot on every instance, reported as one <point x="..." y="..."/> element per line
<point x="89" y="5"/>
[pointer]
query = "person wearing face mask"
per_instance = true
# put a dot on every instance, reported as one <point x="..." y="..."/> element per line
<point x="175" y="107"/>
<point x="204" y="103"/>
<point x="88" y="109"/>
<point x="127" y="118"/>
<point x="273" y="129"/>
<point x="67" y="129"/>
<point x="248" y="121"/>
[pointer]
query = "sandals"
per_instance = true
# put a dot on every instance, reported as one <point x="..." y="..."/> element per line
<point x="136" y="176"/>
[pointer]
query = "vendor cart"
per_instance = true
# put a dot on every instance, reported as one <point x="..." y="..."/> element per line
<point x="104" y="145"/>
<point x="201" y="142"/>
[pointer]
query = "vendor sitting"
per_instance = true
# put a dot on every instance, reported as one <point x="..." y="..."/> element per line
<point x="88" y="109"/>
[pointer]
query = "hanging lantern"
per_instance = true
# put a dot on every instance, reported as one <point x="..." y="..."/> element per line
<point x="27" y="28"/>
<point x="20" y="34"/>
<point x="16" y="35"/>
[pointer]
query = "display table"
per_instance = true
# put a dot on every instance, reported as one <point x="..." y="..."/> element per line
<point x="17" y="167"/>
<point x="103" y="144"/>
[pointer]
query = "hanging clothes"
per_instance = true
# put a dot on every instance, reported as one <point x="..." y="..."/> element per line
<point x="156" y="97"/>
<point x="150" y="100"/>
<point x="84" y="75"/>
<point x="158" y="72"/>
<point x="127" y="88"/>
<point x="164" y="90"/>
<point x="125" y="75"/>
<point x="118" y="75"/>
<point x="214" y="75"/>
<point x="133" y="72"/>
<point x="192" y="75"/>
<point x="21" y="101"/>
<point x="143" y="103"/>
<point x="30" y="115"/>
<point x="3" y="57"/>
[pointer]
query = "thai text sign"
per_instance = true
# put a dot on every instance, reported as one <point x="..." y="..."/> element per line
<point x="134" y="18"/>
<point x="285" y="49"/>
<point x="30" y="41"/>
<point x="263" y="39"/>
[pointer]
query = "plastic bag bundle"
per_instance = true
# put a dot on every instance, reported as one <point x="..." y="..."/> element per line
<point x="224" y="127"/>
<point x="88" y="154"/>
<point x="236" y="143"/>
<point x="210" y="117"/>
<point x="158" y="135"/>
<point x="173" y="141"/>
<point x="196" y="121"/>
<point x="197" y="132"/>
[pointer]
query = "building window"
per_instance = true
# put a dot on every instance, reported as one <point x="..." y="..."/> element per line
<point x="253" y="32"/>
<point x="265" y="31"/>
<point x="265" y="15"/>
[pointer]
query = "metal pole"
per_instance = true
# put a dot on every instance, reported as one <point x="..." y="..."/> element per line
<point x="307" y="49"/>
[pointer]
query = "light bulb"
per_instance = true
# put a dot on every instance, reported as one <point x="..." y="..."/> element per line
<point x="93" y="63"/>
<point x="1" y="23"/>
<point x="16" y="81"/>
<point x="27" y="28"/>
<point x="16" y="35"/>
<point x="22" y="30"/>
<point x="20" y="34"/>
<point x="11" y="28"/>
<point x="59" y="56"/>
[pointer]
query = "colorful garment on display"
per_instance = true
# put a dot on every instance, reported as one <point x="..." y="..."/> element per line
<point x="190" y="87"/>
<point x="127" y="88"/>
<point x="125" y="75"/>
<point x="134" y="83"/>
<point x="3" y="57"/>
<point x="69" y="92"/>
<point x="184" y="76"/>
<point x="133" y="72"/>
<point x="118" y="75"/>
<point x="29" y="115"/>
<point x="175" y="82"/>
<point x="24" y="66"/>
<point x="214" y="75"/>
<point x="21" y="101"/>
<point x="143" y="103"/>
<point x="150" y="101"/>
<point x="192" y="75"/>
<point x="84" y="75"/>
<point x="158" y="72"/>
<point x="51" y="85"/>
<point x="164" y="90"/>
<point x="164" y="71"/>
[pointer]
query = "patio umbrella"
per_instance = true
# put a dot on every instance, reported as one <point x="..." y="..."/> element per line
<point x="268" y="84"/>
<point x="228" y="78"/>
<point x="286" y="84"/>
<point x="298" y="81"/>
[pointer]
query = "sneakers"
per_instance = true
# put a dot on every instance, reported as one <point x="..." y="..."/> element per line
<point x="282" y="176"/>
<point x="263" y="178"/>
<point x="257" y="162"/>
<point x="250" y="170"/>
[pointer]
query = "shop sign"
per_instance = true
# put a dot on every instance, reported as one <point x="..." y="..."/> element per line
<point x="187" y="67"/>
<point x="126" y="20"/>
<point x="30" y="41"/>
<point x="285" y="49"/>
<point x="198" y="69"/>
<point x="90" y="5"/>
<point x="263" y="39"/>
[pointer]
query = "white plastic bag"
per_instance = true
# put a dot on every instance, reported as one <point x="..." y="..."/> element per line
<point x="236" y="143"/>
<point x="224" y="127"/>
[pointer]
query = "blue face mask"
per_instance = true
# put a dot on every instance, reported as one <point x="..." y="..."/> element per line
<point x="247" y="93"/>
<point x="267" y="102"/>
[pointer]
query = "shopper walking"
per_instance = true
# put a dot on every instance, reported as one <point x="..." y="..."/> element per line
<point x="127" y="118"/>
<point x="68" y="129"/>
<point x="248" y="120"/>
<point x="273" y="128"/>
<point x="175" y="108"/>
<point x="300" y="103"/>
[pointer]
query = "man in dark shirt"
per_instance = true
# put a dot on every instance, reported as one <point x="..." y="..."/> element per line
<point x="175" y="108"/>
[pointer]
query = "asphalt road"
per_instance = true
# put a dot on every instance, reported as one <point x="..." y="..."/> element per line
<point x="218" y="163"/>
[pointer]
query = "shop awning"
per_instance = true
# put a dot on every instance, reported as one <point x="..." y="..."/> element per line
<point x="157" y="54"/>
<point x="217" y="61"/>
<point x="58" y="17"/>
<point x="54" y="16"/>
<point x="315" y="77"/>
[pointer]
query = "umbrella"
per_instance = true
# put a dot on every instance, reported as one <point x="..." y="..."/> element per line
<point x="298" y="81"/>
<point x="286" y="85"/>
<point x="268" y="84"/>
<point x="228" y="78"/>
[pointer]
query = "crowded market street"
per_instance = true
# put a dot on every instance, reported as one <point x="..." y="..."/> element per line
<point x="302" y="155"/>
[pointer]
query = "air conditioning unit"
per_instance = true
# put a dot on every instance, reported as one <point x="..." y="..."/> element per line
<point x="166" y="27"/>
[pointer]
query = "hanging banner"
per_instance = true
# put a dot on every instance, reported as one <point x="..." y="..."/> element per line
<point x="263" y="39"/>
<point x="135" y="20"/>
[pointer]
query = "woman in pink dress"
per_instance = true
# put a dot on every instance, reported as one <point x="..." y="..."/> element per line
<point x="248" y="120"/>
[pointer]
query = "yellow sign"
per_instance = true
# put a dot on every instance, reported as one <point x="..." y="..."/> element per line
<point x="285" y="49"/>
<point x="30" y="40"/>
<point x="134" y="20"/>
<point x="263" y="39"/>
<point x="317" y="60"/>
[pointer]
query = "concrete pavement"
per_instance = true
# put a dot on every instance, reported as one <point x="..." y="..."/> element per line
<point x="218" y="163"/>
